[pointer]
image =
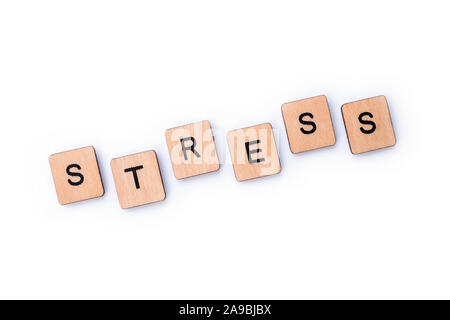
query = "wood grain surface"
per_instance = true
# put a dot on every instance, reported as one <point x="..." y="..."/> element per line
<point x="308" y="124"/>
<point x="76" y="175"/>
<point x="368" y="124"/>
<point x="253" y="152"/>
<point x="138" y="179"/>
<point x="192" y="149"/>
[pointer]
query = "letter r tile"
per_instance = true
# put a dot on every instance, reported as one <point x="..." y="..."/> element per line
<point x="253" y="152"/>
<point x="138" y="179"/>
<point x="76" y="175"/>
<point x="368" y="124"/>
<point x="192" y="149"/>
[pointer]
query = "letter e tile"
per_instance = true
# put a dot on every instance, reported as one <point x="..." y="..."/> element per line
<point x="253" y="152"/>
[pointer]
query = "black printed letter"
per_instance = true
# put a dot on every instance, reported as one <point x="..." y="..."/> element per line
<point x="360" y="118"/>
<point x="191" y="147"/>
<point x="311" y="123"/>
<point x="134" y="169"/>
<point x="249" y="152"/>
<point x="74" y="174"/>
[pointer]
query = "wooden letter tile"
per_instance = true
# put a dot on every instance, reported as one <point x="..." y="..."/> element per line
<point x="76" y="175"/>
<point x="192" y="149"/>
<point x="368" y="124"/>
<point x="138" y="179"/>
<point x="308" y="124"/>
<point x="253" y="152"/>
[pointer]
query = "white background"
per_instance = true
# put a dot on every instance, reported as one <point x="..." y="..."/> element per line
<point x="116" y="74"/>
